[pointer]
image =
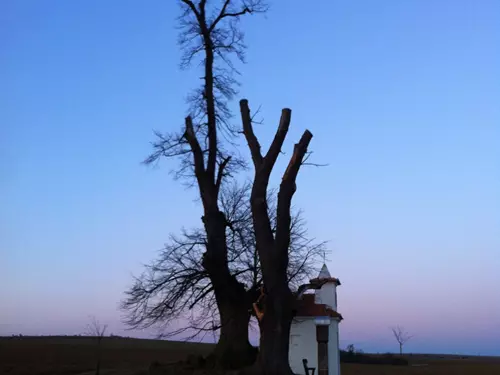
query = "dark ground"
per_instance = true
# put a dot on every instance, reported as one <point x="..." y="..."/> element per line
<point x="124" y="356"/>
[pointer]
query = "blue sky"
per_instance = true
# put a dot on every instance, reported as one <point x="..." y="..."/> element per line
<point x="402" y="98"/>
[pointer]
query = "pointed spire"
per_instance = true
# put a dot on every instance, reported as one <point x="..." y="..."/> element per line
<point x="324" y="273"/>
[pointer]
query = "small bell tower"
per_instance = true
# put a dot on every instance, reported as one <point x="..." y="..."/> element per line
<point x="327" y="294"/>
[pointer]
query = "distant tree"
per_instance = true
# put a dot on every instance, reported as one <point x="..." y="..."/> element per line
<point x="96" y="330"/>
<point x="401" y="336"/>
<point x="176" y="288"/>
<point x="351" y="349"/>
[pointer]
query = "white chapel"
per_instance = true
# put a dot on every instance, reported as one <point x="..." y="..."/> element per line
<point x="314" y="335"/>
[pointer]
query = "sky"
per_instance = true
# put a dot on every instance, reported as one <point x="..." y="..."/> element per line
<point x="401" y="96"/>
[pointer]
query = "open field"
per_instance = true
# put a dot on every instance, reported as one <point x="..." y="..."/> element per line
<point x="122" y="356"/>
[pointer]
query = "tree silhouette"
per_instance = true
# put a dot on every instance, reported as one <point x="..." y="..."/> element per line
<point x="401" y="336"/>
<point x="211" y="35"/>
<point x="276" y="308"/>
<point x="96" y="330"/>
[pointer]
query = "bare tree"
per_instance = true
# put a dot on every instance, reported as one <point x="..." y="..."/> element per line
<point x="176" y="287"/>
<point x="210" y="33"/>
<point x="276" y="308"/>
<point x="401" y="336"/>
<point x="96" y="330"/>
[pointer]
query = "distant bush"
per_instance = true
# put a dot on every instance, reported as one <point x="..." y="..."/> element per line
<point x="351" y="355"/>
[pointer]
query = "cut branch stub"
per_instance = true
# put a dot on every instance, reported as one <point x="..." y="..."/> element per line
<point x="253" y="143"/>
<point x="285" y="195"/>
<point x="189" y="134"/>
<point x="279" y="138"/>
<point x="299" y="152"/>
<point x="267" y="162"/>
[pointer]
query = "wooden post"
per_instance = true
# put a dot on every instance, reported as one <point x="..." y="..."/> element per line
<point x="322" y="338"/>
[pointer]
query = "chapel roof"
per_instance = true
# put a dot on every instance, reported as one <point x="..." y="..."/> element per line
<point x="307" y="307"/>
<point x="324" y="275"/>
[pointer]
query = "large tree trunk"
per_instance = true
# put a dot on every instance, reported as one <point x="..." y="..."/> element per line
<point x="275" y="333"/>
<point x="233" y="349"/>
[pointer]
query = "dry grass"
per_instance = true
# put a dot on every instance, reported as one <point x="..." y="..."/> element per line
<point x="431" y="365"/>
<point x="76" y="355"/>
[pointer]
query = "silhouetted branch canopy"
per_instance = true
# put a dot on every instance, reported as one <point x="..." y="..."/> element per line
<point x="176" y="288"/>
<point x="208" y="32"/>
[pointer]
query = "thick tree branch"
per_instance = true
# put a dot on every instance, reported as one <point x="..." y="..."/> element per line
<point x="253" y="143"/>
<point x="247" y="7"/>
<point x="261" y="220"/>
<point x="287" y="189"/>
<point x="208" y="90"/>
<point x="191" y="5"/>
<point x="199" y="164"/>
<point x="220" y="174"/>
<point x="221" y="15"/>
<point x="277" y="143"/>
<point x="295" y="162"/>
